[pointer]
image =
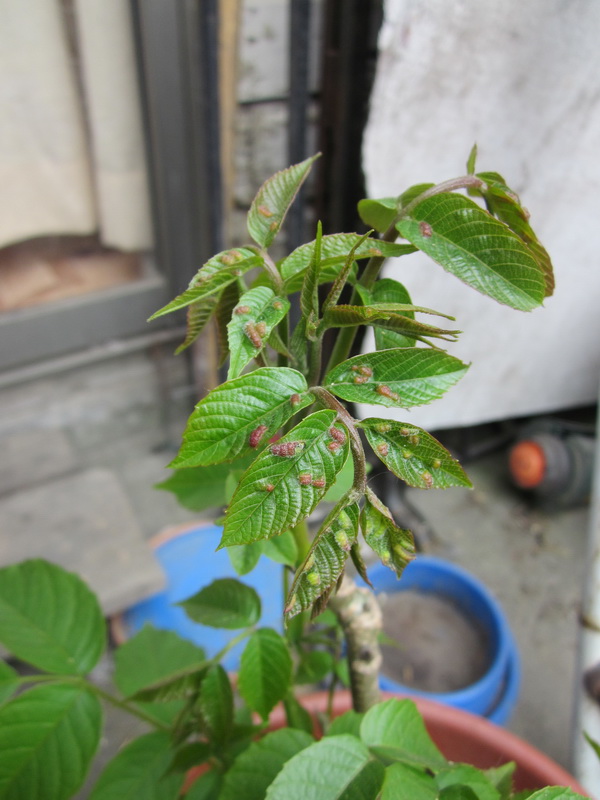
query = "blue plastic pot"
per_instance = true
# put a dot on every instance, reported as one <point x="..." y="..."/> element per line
<point x="190" y="562"/>
<point x="495" y="693"/>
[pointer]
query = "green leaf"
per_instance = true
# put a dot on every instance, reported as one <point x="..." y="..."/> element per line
<point x="50" y="618"/>
<point x="457" y="792"/>
<point x="198" y="316"/>
<point x="359" y="563"/>
<point x="228" y="300"/>
<point x="140" y="770"/>
<point x="255" y="769"/>
<point x="378" y="214"/>
<point x="244" y="557"/>
<point x="343" y="483"/>
<point x="335" y="249"/>
<point x="287" y="480"/>
<point x="259" y="310"/>
<point x="387" y="290"/>
<point x="325" y="560"/>
<point x="464" y="775"/>
<point x="313" y="666"/>
<point x="48" y="737"/>
<point x="189" y="755"/>
<point x="273" y="200"/>
<point x="505" y="204"/>
<point x="9" y="681"/>
<point x="388" y="316"/>
<point x="336" y="767"/>
<point x="206" y="787"/>
<point x="265" y="671"/>
<point x="556" y="793"/>
<point x="502" y="778"/>
<point x="153" y="655"/>
<point x="405" y="783"/>
<point x="198" y="488"/>
<point x="309" y="297"/>
<point x="224" y="603"/>
<point x="296" y="715"/>
<point x="344" y="275"/>
<point x="471" y="160"/>
<point x="283" y="549"/>
<point x="476" y="248"/>
<point x="241" y="415"/>
<point x="396" y="728"/>
<point x="413" y="455"/>
<point x="398" y="378"/>
<point x="215" y="705"/>
<point x="215" y="275"/>
<point x="413" y="192"/>
<point x="349" y="722"/>
<point x="395" y="546"/>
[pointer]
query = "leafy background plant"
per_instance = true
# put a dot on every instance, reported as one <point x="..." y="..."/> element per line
<point x="273" y="441"/>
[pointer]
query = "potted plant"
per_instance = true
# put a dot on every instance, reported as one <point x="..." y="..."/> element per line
<point x="281" y="425"/>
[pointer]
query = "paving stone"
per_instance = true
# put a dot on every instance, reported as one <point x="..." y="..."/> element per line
<point x="86" y="524"/>
<point x="30" y="457"/>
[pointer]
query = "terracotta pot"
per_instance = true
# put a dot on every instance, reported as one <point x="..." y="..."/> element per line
<point x="465" y="737"/>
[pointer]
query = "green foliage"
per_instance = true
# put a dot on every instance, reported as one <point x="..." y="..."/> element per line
<point x="58" y="627"/>
<point x="270" y="443"/>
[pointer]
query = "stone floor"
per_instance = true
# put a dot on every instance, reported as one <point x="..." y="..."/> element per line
<point x="96" y="472"/>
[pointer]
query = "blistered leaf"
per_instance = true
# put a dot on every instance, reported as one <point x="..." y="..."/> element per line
<point x="265" y="671"/>
<point x="287" y="480"/>
<point x="273" y="200"/>
<point x="241" y="415"/>
<point x="334" y="251"/>
<point x="478" y="249"/>
<point x="388" y="290"/>
<point x="413" y="455"/>
<point x="336" y="768"/>
<point x="394" y="546"/>
<point x="391" y="316"/>
<point x="50" y="618"/>
<point x="258" y="311"/>
<point x="400" y="377"/>
<point x="224" y="603"/>
<point x="198" y="315"/>
<point x="395" y="729"/>
<point x="48" y="737"/>
<point x="218" y="272"/>
<point x="325" y="561"/>
<point x="254" y="770"/>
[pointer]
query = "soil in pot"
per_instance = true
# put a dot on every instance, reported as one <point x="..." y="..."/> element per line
<point x="439" y="648"/>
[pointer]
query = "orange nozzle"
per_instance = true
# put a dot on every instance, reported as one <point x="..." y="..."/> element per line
<point x="527" y="464"/>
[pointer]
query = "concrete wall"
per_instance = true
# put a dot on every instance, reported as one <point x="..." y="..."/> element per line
<point x="521" y="80"/>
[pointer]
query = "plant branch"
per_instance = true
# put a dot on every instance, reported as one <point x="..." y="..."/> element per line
<point x="359" y="615"/>
<point x="452" y="185"/>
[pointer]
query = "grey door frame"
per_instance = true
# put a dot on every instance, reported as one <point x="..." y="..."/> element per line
<point x="176" y="42"/>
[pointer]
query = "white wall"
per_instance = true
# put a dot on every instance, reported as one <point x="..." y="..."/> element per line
<point x="523" y="81"/>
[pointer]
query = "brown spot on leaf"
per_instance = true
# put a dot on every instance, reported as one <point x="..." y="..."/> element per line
<point x="426" y="229"/>
<point x="257" y="435"/>
<point x="264" y="211"/>
<point x="385" y="391"/>
<point x="286" y="449"/>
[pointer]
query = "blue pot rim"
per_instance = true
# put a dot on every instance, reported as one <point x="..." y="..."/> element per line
<point x="501" y="680"/>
